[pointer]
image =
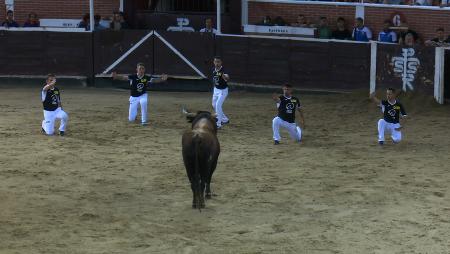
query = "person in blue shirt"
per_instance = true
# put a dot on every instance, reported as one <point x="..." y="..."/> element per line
<point x="361" y="32"/>
<point x="9" y="22"/>
<point x="387" y="35"/>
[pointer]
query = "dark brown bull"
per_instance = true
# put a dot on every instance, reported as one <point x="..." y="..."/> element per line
<point x="201" y="150"/>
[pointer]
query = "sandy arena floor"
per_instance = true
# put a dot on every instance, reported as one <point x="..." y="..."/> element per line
<point x="113" y="187"/>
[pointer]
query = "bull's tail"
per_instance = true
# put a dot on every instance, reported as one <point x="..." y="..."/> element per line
<point x="197" y="178"/>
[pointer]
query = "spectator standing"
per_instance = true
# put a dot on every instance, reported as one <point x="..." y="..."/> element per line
<point x="118" y="22"/>
<point x="267" y="21"/>
<point x="32" y="20"/>
<point x="440" y="40"/>
<point x="361" y="32"/>
<point x="9" y="21"/>
<point x="208" y="27"/>
<point x="408" y="41"/>
<point x="323" y="30"/>
<point x="387" y="35"/>
<point x="415" y="36"/>
<point x="84" y="22"/>
<point x="341" y="33"/>
<point x="301" y="21"/>
<point x="97" y="25"/>
<point x="279" y="21"/>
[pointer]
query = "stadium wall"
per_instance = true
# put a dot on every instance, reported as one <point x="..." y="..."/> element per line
<point x="306" y="64"/>
<point x="423" y="20"/>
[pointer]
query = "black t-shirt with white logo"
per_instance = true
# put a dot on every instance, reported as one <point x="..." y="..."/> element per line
<point x="218" y="80"/>
<point x="392" y="111"/>
<point x="287" y="108"/>
<point x="52" y="99"/>
<point x="139" y="85"/>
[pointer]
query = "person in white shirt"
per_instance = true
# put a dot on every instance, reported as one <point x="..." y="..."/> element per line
<point x="209" y="27"/>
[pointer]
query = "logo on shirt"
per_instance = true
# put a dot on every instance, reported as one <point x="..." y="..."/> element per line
<point x="140" y="87"/>
<point x="392" y="112"/>
<point x="54" y="99"/>
<point x="290" y="107"/>
<point x="216" y="79"/>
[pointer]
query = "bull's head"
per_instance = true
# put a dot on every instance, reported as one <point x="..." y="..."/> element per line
<point x="191" y="116"/>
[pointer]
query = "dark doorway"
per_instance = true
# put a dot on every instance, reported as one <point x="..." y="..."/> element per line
<point x="447" y="75"/>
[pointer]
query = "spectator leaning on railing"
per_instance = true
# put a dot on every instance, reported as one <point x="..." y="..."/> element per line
<point x="32" y="20"/>
<point x="208" y="27"/>
<point x="279" y="21"/>
<point x="440" y="40"/>
<point x="361" y="32"/>
<point x="301" y="21"/>
<point x="408" y="40"/>
<point x="9" y="21"/>
<point x="267" y="21"/>
<point x="415" y="37"/>
<point x="341" y="33"/>
<point x="387" y="35"/>
<point x="323" y="30"/>
<point x="84" y="22"/>
<point x="118" y="22"/>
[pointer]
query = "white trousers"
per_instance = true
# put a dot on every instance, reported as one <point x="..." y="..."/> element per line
<point x="134" y="103"/>
<point x="384" y="126"/>
<point x="48" y="124"/>
<point x="294" y="131"/>
<point x="218" y="99"/>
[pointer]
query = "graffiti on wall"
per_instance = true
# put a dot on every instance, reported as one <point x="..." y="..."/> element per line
<point x="406" y="66"/>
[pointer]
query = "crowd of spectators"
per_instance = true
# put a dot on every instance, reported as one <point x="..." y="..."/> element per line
<point x="360" y="32"/>
<point x="441" y="3"/>
<point x="116" y="22"/>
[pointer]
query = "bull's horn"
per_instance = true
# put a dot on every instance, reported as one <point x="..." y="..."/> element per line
<point x="187" y="113"/>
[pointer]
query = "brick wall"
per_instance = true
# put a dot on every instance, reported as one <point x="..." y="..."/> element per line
<point x="2" y="11"/>
<point x="60" y="9"/>
<point x="423" y="21"/>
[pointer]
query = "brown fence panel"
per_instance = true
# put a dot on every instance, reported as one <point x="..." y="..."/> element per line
<point x="350" y="65"/>
<point x="400" y="67"/>
<point x="235" y="54"/>
<point x="23" y="53"/>
<point x="198" y="48"/>
<point x="304" y="64"/>
<point x="38" y="53"/>
<point x="268" y="61"/>
<point x="111" y="45"/>
<point x="68" y="53"/>
<point x="309" y="64"/>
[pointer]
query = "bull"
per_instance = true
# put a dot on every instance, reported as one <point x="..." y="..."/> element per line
<point x="201" y="149"/>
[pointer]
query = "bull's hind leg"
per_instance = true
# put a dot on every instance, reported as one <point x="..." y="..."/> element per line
<point x="194" y="200"/>
<point x="208" y="193"/>
<point x="198" y="201"/>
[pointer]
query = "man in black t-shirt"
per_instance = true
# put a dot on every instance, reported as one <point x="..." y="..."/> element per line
<point x="392" y="112"/>
<point x="51" y="101"/>
<point x="287" y="106"/>
<point x="139" y="83"/>
<point x="341" y="32"/>
<point x="220" y="81"/>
